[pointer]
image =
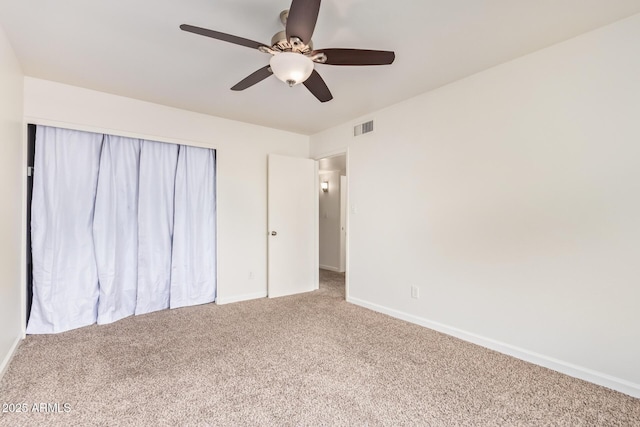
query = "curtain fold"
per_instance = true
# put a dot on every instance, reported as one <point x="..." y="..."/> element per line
<point x="193" y="268"/>
<point x="115" y="228"/>
<point x="155" y="224"/>
<point x="65" y="279"/>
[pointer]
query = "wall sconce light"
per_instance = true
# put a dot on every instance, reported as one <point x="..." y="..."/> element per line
<point x="325" y="186"/>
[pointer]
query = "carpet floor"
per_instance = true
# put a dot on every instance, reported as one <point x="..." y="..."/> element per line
<point x="310" y="359"/>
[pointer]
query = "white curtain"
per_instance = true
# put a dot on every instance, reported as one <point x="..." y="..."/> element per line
<point x="120" y="226"/>
<point x="193" y="268"/>
<point x="155" y="224"/>
<point x="65" y="280"/>
<point x="115" y="228"/>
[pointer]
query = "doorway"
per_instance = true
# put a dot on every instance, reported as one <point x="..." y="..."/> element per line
<point x="332" y="208"/>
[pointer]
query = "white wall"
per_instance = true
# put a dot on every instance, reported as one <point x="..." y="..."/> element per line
<point x="512" y="199"/>
<point x="329" y="208"/>
<point x="241" y="150"/>
<point x="11" y="179"/>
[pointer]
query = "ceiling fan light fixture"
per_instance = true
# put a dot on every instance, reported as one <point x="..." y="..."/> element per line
<point x="291" y="68"/>
<point x="293" y="56"/>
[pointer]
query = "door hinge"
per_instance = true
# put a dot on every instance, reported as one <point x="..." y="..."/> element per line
<point x="29" y="170"/>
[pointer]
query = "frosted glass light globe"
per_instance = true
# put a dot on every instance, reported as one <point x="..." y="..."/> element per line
<point x="292" y="68"/>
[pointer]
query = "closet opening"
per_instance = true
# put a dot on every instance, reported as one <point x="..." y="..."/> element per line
<point x="116" y="226"/>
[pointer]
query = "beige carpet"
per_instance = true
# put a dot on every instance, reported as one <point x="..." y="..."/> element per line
<point x="310" y="359"/>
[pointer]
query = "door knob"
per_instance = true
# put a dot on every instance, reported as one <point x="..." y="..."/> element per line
<point x="274" y="233"/>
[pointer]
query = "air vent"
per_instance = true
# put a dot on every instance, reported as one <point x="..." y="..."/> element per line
<point x="363" y="128"/>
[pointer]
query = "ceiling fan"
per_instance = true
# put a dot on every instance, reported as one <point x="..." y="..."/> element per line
<point x="293" y="57"/>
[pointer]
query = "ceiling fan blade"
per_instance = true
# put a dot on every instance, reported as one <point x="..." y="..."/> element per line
<point x="221" y="36"/>
<point x="357" y="56"/>
<point x="302" y="18"/>
<point x="253" y="78"/>
<point x="318" y="87"/>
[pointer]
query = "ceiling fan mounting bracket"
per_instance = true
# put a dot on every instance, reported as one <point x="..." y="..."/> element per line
<point x="283" y="17"/>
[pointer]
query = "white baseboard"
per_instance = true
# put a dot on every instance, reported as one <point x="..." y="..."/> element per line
<point x="9" y="356"/>
<point x="238" y="298"/>
<point x="330" y="268"/>
<point x="599" y="378"/>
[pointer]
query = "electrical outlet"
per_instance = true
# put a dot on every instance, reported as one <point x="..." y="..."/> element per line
<point x="415" y="292"/>
<point x="251" y="275"/>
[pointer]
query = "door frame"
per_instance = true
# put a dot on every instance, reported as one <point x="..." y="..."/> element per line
<point x="343" y="224"/>
<point x="334" y="153"/>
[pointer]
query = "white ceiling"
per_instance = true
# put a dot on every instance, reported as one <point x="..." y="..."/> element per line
<point x="134" y="48"/>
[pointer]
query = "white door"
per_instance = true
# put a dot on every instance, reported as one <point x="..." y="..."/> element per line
<point x="293" y="225"/>
<point x="343" y="223"/>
